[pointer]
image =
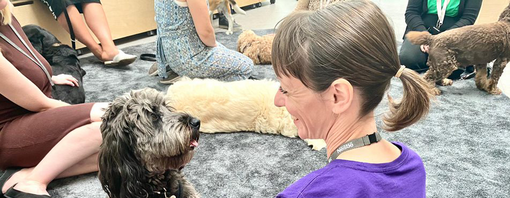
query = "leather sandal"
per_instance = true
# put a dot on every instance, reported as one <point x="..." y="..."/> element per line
<point x="13" y="193"/>
<point x="121" y="59"/>
<point x="6" y="176"/>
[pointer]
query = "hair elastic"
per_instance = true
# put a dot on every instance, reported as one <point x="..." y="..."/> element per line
<point x="400" y="71"/>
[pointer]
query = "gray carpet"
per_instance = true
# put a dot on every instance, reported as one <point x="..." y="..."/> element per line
<point x="463" y="142"/>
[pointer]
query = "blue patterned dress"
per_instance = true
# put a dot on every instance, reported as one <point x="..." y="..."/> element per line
<point x="179" y="47"/>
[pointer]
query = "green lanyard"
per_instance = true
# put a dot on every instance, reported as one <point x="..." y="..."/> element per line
<point x="36" y="61"/>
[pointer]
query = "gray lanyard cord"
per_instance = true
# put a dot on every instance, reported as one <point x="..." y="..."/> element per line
<point x="38" y="62"/>
<point x="356" y="143"/>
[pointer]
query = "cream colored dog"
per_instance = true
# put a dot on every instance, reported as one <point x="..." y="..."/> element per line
<point x="245" y="105"/>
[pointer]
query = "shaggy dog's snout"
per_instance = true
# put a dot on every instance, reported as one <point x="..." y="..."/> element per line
<point x="195" y="135"/>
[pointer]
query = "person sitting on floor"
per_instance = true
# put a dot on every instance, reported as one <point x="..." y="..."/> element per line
<point x="187" y="44"/>
<point x="335" y="66"/>
<point x="436" y="16"/>
<point x="40" y="138"/>
<point x="96" y="20"/>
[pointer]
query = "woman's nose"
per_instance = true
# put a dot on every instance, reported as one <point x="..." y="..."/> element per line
<point x="279" y="99"/>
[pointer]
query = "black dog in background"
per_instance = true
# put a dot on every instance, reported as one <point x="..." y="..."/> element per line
<point x="63" y="60"/>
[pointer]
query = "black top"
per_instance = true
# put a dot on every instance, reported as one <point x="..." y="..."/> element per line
<point x="418" y="19"/>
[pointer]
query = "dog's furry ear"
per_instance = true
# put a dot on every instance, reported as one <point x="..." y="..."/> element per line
<point x="244" y="41"/>
<point x="34" y="37"/>
<point x="121" y="172"/>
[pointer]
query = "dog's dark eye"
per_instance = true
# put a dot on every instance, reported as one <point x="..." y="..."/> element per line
<point x="154" y="117"/>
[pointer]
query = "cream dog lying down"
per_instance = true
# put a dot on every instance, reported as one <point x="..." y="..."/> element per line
<point x="245" y="105"/>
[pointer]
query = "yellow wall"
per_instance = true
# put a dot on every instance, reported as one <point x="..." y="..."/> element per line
<point x="490" y="11"/>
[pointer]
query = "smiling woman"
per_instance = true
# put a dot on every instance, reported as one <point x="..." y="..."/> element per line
<point x="334" y="66"/>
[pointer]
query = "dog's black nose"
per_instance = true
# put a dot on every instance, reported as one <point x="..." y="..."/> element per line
<point x="194" y="122"/>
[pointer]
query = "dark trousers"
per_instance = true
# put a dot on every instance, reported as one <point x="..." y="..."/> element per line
<point x="413" y="58"/>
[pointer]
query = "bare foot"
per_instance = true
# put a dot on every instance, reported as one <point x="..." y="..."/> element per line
<point x="18" y="176"/>
<point x="108" y="55"/>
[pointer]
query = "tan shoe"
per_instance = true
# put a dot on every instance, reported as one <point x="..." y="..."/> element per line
<point x="153" y="71"/>
<point x="171" y="78"/>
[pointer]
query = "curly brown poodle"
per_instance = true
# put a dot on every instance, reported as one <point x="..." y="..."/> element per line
<point x="470" y="45"/>
<point x="257" y="48"/>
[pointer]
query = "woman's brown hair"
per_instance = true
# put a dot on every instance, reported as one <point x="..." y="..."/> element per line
<point x="354" y="41"/>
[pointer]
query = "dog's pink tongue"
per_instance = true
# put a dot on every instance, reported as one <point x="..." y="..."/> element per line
<point x="193" y="143"/>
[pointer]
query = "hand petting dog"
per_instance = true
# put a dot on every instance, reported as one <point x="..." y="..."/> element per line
<point x="64" y="79"/>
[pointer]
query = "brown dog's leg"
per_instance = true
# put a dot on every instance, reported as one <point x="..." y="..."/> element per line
<point x="497" y="70"/>
<point x="481" y="76"/>
<point x="429" y="77"/>
<point x="440" y="67"/>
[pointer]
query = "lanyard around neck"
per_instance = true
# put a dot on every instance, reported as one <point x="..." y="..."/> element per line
<point x="36" y="60"/>
<point x="356" y="143"/>
<point x="441" y="11"/>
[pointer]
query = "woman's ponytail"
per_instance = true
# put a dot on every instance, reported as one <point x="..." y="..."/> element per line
<point x="414" y="104"/>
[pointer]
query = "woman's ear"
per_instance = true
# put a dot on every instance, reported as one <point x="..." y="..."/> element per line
<point x="343" y="93"/>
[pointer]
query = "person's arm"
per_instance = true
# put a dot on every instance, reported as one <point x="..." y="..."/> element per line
<point x="413" y="15"/>
<point x="200" y="14"/>
<point x="18" y="89"/>
<point x="302" y="5"/>
<point x="470" y="13"/>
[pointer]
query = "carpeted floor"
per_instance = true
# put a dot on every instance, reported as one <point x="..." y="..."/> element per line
<point x="463" y="142"/>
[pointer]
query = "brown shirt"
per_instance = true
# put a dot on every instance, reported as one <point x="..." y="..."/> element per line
<point x="8" y="109"/>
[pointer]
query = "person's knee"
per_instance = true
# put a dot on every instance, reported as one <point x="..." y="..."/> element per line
<point x="93" y="133"/>
<point x="97" y="111"/>
<point x="409" y="59"/>
<point x="411" y="56"/>
<point x="247" y="69"/>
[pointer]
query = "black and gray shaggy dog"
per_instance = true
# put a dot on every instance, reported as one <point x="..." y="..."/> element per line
<point x="145" y="145"/>
<point x="63" y="60"/>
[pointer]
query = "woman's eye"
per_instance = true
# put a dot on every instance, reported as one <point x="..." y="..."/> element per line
<point x="283" y="91"/>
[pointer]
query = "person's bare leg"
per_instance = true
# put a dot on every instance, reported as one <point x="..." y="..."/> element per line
<point x="75" y="154"/>
<point x="80" y="30"/>
<point x="73" y="148"/>
<point x="88" y="165"/>
<point x="96" y="20"/>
